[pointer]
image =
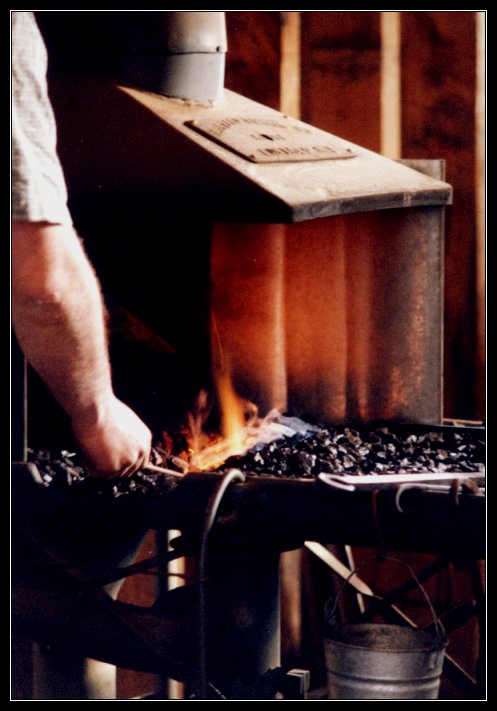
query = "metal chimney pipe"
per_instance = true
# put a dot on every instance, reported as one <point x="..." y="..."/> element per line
<point x="180" y="55"/>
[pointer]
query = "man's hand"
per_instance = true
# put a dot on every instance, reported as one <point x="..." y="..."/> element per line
<point x="115" y="443"/>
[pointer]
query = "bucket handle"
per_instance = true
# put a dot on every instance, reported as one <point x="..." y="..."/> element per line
<point x="440" y="629"/>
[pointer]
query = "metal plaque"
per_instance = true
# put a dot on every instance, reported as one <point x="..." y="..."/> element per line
<point x="271" y="139"/>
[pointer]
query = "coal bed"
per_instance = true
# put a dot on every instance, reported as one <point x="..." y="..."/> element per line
<point x="335" y="450"/>
<point x="345" y="450"/>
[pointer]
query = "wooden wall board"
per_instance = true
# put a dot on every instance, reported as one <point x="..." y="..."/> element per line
<point x="341" y="74"/>
<point x="438" y="121"/>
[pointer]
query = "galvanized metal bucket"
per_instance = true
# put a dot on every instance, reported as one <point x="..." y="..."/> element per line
<point x="375" y="661"/>
<point x="382" y="661"/>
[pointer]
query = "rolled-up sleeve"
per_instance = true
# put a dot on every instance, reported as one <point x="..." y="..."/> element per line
<point x="39" y="191"/>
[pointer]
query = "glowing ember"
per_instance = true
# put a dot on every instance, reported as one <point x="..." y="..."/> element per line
<point x="242" y="429"/>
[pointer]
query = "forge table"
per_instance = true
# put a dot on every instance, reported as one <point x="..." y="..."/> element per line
<point x="60" y="564"/>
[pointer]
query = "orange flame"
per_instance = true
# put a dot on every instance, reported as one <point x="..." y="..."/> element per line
<point x="236" y="414"/>
<point x="242" y="429"/>
<point x="238" y="418"/>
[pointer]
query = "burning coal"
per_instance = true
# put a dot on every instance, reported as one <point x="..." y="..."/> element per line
<point x="242" y="430"/>
<point x="289" y="448"/>
<point x="345" y="450"/>
<point x="278" y="445"/>
<point x="282" y="446"/>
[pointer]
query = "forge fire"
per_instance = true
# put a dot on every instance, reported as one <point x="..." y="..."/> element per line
<point x="287" y="447"/>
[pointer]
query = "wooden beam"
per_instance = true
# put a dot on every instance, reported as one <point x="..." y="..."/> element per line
<point x="390" y="85"/>
<point x="290" y="64"/>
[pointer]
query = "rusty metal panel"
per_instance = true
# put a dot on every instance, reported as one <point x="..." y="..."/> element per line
<point x="340" y="317"/>
<point x="247" y="310"/>
<point x="364" y="316"/>
<point x="316" y="319"/>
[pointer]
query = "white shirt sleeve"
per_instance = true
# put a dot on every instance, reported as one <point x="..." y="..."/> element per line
<point x="39" y="191"/>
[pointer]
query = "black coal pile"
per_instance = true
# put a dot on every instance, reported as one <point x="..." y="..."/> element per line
<point x="63" y="470"/>
<point x="344" y="450"/>
<point x="320" y="449"/>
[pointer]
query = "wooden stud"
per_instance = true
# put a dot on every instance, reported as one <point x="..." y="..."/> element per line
<point x="290" y="64"/>
<point x="390" y="84"/>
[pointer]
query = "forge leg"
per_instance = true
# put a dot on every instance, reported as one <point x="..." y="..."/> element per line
<point x="57" y="676"/>
<point x="99" y="545"/>
<point x="61" y="673"/>
<point x="243" y="610"/>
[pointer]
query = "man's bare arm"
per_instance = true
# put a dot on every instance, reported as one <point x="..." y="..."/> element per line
<point x="59" y="321"/>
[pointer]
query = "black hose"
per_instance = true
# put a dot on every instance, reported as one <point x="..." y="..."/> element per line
<point x="210" y="517"/>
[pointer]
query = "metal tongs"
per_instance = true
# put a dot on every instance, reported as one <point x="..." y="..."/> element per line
<point x="429" y="480"/>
